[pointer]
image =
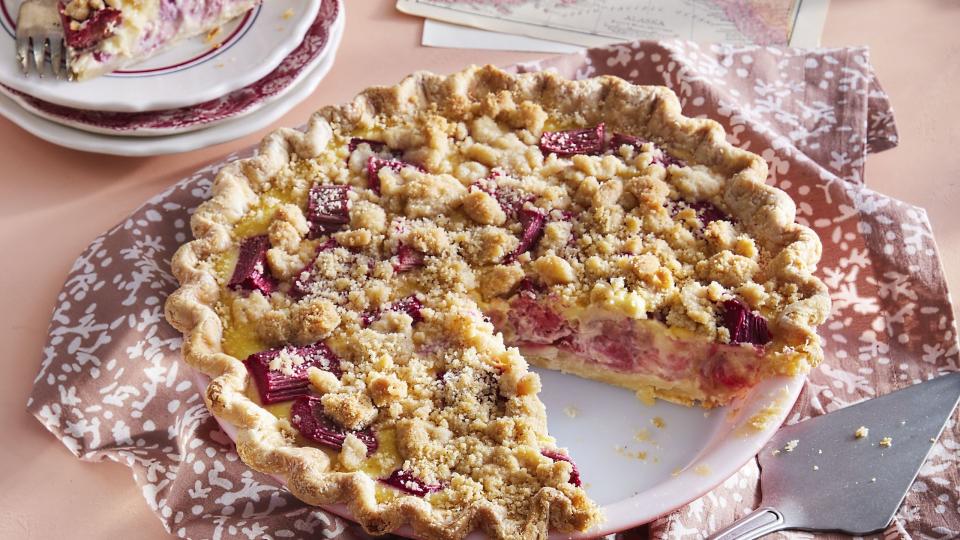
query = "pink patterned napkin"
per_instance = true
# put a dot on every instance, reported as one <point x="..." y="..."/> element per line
<point x="112" y="386"/>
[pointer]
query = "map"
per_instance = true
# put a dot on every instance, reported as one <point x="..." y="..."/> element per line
<point x="601" y="22"/>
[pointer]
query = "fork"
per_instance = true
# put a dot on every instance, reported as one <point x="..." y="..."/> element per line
<point x="40" y="37"/>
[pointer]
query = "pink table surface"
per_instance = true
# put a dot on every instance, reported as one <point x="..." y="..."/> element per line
<point x="54" y="201"/>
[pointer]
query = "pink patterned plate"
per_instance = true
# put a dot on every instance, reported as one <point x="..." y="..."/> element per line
<point x="314" y="48"/>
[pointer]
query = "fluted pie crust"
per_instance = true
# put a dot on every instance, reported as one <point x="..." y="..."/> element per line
<point x="582" y="269"/>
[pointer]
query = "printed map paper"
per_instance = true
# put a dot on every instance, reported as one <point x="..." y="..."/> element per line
<point x="602" y="22"/>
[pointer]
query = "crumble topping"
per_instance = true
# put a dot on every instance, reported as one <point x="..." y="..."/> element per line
<point x="475" y="207"/>
<point x="79" y="10"/>
<point x="861" y="432"/>
<point x="285" y="362"/>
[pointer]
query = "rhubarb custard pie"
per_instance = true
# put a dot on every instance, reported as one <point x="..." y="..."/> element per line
<point x="365" y="295"/>
<point x="105" y="35"/>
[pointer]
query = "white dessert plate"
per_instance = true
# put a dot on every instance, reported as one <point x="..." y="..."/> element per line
<point x="152" y="146"/>
<point x="640" y="461"/>
<point x="297" y="65"/>
<point x="191" y="72"/>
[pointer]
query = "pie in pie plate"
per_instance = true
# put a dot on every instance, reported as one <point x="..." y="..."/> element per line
<point x="366" y="293"/>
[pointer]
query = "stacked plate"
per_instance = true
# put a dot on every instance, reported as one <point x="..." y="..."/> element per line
<point x="201" y="92"/>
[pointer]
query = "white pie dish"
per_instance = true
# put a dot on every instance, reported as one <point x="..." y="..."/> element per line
<point x="199" y="69"/>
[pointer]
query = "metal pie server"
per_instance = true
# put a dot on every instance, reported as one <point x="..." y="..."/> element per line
<point x="820" y="475"/>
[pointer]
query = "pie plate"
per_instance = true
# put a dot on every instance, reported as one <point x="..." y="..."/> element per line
<point x="200" y="69"/>
<point x="275" y="85"/>
<point x="642" y="461"/>
<point x="230" y="129"/>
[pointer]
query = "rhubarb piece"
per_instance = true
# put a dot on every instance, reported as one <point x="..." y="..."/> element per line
<point x="533" y="221"/>
<point x="407" y="259"/>
<point x="376" y="146"/>
<point x="374" y="164"/>
<point x="574" y="141"/>
<point x="511" y="200"/>
<point x="301" y="283"/>
<point x="557" y="456"/>
<point x="407" y="482"/>
<point x="328" y="209"/>
<point x="666" y="160"/>
<point x="97" y="27"/>
<point x="620" y="139"/>
<point x="707" y="212"/>
<point x="535" y="321"/>
<point x="278" y="382"/>
<point x="307" y="416"/>
<point x="724" y="373"/>
<point x="329" y="204"/>
<point x="744" y="325"/>
<point x="250" y="273"/>
<point x="410" y="305"/>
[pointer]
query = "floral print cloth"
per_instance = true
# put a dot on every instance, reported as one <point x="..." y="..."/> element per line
<point x="111" y="384"/>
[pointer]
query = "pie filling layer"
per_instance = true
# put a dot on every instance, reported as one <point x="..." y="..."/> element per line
<point x="104" y="35"/>
<point x="378" y="291"/>
<point x="644" y="355"/>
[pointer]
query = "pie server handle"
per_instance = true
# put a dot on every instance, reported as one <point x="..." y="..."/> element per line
<point x="760" y="522"/>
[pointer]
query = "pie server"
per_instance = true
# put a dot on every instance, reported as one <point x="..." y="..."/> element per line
<point x="817" y="475"/>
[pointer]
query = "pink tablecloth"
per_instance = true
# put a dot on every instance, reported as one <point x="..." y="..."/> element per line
<point x="111" y="385"/>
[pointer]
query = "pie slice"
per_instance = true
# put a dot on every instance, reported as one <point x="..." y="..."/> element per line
<point x="358" y="290"/>
<point x="106" y="35"/>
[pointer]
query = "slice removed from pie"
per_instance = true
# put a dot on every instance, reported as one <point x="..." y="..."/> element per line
<point x="356" y="289"/>
<point x="106" y="35"/>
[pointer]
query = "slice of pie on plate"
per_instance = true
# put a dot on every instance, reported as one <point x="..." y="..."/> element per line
<point x="357" y="290"/>
<point x="105" y="35"/>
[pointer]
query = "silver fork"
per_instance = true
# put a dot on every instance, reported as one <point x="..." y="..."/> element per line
<point x="40" y="37"/>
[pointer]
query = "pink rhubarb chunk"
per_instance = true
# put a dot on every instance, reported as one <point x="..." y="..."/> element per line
<point x="374" y="164"/>
<point x="376" y="146"/>
<point x="666" y="160"/>
<point x="620" y="139"/>
<point x="408" y="483"/>
<point x="533" y="221"/>
<point x="97" y="27"/>
<point x="510" y="200"/>
<point x="407" y="259"/>
<point x="250" y="273"/>
<point x="535" y="321"/>
<point x="707" y="212"/>
<point x="574" y="141"/>
<point x="744" y="325"/>
<point x="301" y="283"/>
<point x="557" y="456"/>
<point x="275" y="386"/>
<point x="307" y="416"/>
<point x="410" y="305"/>
<point x="329" y="205"/>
